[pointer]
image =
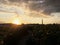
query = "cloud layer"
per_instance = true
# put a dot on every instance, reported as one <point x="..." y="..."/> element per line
<point x="44" y="6"/>
<point x="31" y="10"/>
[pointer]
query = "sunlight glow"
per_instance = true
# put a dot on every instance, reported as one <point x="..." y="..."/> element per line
<point x="16" y="21"/>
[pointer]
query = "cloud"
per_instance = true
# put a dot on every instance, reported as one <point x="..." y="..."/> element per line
<point x="4" y="1"/>
<point x="55" y="5"/>
<point x="45" y="6"/>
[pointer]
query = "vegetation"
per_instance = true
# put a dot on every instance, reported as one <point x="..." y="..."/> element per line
<point x="30" y="34"/>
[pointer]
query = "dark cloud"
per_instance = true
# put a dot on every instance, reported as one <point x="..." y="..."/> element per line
<point x="53" y="2"/>
<point x="55" y="5"/>
<point x="14" y="1"/>
<point x="36" y="7"/>
<point x="2" y="1"/>
<point x="19" y="1"/>
<point x="48" y="6"/>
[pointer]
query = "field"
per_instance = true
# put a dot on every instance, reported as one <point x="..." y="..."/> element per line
<point x="30" y="34"/>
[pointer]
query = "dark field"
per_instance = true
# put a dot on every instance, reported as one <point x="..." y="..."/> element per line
<point x="30" y="34"/>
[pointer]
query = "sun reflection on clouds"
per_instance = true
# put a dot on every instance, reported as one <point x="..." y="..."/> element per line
<point x="22" y="11"/>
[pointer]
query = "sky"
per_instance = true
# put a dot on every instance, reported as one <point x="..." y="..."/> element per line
<point x="30" y="11"/>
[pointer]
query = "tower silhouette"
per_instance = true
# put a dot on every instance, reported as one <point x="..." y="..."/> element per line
<point x="42" y="21"/>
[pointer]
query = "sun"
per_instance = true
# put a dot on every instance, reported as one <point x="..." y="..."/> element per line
<point x="16" y="21"/>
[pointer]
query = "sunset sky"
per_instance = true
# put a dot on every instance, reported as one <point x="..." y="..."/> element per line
<point x="30" y="11"/>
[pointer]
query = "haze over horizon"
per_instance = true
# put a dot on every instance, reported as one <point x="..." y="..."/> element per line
<point x="30" y="11"/>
